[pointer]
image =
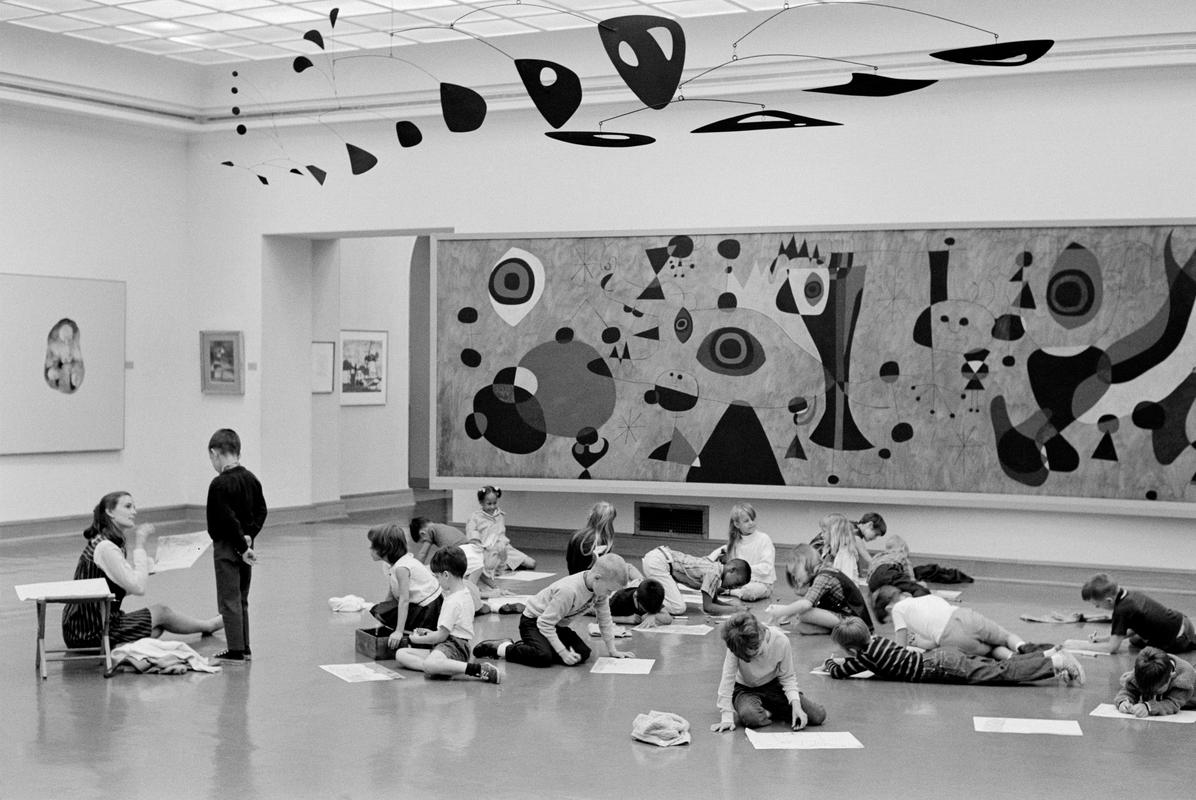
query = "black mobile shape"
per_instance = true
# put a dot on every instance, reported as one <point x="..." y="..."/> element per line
<point x="557" y="101"/>
<point x="317" y="173"/>
<point x="767" y="120"/>
<point x="315" y="37"/>
<point x="868" y="84"/>
<point x="360" y="160"/>
<point x="262" y="178"/>
<point x="464" y="109"/>
<point x="600" y="138"/>
<point x="409" y="135"/>
<point x="1004" y="54"/>
<point x="332" y="15"/>
<point x="653" y="76"/>
<point x="301" y="63"/>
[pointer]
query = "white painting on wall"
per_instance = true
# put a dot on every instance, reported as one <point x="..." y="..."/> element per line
<point x="363" y="368"/>
<point x="63" y="362"/>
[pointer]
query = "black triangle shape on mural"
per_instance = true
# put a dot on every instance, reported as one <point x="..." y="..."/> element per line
<point x="315" y="37"/>
<point x="765" y="120"/>
<point x="1008" y="328"/>
<point x="556" y="101"/>
<point x="317" y="173"/>
<point x="869" y="84"/>
<point x="614" y="353"/>
<point x="651" y="333"/>
<point x="464" y="109"/>
<point x="660" y="453"/>
<point x="1026" y="299"/>
<point x="1105" y="450"/>
<point x="1018" y="276"/>
<point x="785" y="301"/>
<point x="923" y="333"/>
<point x="796" y="450"/>
<point x="1003" y="54"/>
<point x="738" y="451"/>
<point x="653" y="292"/>
<point x="626" y="352"/>
<point x="653" y="74"/>
<point x="657" y="258"/>
<point x="585" y="475"/>
<point x="360" y="160"/>
<point x="804" y="250"/>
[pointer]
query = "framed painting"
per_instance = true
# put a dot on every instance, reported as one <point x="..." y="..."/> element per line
<point x="363" y="368"/>
<point x="323" y="367"/>
<point x="63" y="361"/>
<point x="221" y="362"/>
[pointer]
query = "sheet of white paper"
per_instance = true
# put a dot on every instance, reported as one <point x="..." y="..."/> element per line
<point x="1055" y="727"/>
<point x="1109" y="710"/>
<point x="93" y="587"/>
<point x="1085" y="653"/>
<point x="181" y="551"/>
<point x="947" y="594"/>
<point x="498" y="602"/>
<point x="620" y="631"/>
<point x="623" y="666"/>
<point x="802" y="740"/>
<point x="820" y="671"/>
<point x="682" y="630"/>
<point x="361" y="672"/>
<point x="525" y="575"/>
<point x="691" y="596"/>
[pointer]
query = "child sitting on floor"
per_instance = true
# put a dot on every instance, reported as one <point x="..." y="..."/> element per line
<point x="413" y="595"/>
<point x="641" y="603"/>
<point x="758" y="682"/>
<point x="487" y="527"/>
<point x="711" y="578"/>
<point x="449" y="640"/>
<point x="1158" y="685"/>
<point x="747" y="542"/>
<point x="828" y="596"/>
<point x="1143" y="619"/>
<point x="545" y="635"/>
<point x="890" y="661"/>
<point x="891" y="567"/>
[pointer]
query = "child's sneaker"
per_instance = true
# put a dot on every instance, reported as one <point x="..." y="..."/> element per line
<point x="248" y="655"/>
<point x="511" y="608"/>
<point x="1034" y="647"/>
<point x="489" y="673"/>
<point x="230" y="657"/>
<point x="488" y="648"/>
<point x="1072" y="670"/>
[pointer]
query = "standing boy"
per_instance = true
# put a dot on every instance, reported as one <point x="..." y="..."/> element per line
<point x="545" y="635"/>
<point x="236" y="513"/>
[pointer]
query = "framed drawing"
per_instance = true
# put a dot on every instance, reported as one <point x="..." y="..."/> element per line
<point x="63" y="362"/>
<point x="221" y="362"/>
<point x="323" y="367"/>
<point x="363" y="368"/>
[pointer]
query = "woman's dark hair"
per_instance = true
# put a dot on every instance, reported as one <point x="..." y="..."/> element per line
<point x="417" y="528"/>
<point x="101" y="522"/>
<point x="389" y="541"/>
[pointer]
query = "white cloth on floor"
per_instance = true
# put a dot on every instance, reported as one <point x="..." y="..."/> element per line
<point x="350" y="603"/>
<point x="158" y="655"/>
<point x="660" y="728"/>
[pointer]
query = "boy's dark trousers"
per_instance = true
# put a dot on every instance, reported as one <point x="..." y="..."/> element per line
<point x="534" y="650"/>
<point x="232" y="594"/>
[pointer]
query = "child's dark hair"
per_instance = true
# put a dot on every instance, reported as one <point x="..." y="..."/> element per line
<point x="417" y="528"/>
<point x="1152" y="670"/>
<point x="449" y="559"/>
<point x="389" y="541"/>
<point x="1099" y="587"/>
<point x="101" y="522"/>
<point x="851" y="634"/>
<point x="485" y="490"/>
<point x="736" y="573"/>
<point x="742" y="633"/>
<point x="649" y="596"/>
<point x="878" y="522"/>
<point x="882" y="598"/>
<point x="225" y="441"/>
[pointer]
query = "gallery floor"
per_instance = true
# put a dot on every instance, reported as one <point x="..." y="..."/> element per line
<point x="281" y="727"/>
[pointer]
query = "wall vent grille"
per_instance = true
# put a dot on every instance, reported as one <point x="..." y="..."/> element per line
<point x="671" y="519"/>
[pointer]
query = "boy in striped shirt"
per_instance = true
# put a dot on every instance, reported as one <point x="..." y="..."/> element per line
<point x="890" y="661"/>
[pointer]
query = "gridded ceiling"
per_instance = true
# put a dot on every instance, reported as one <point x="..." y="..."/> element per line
<point x="227" y="31"/>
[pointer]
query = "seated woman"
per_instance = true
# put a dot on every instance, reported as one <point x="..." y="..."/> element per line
<point x="104" y="556"/>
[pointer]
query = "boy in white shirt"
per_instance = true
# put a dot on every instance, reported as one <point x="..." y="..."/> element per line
<point x="449" y="655"/>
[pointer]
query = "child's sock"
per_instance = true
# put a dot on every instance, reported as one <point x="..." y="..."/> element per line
<point x="502" y="649"/>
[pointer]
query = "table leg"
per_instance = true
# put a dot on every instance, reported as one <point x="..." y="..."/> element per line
<point x="40" y="664"/>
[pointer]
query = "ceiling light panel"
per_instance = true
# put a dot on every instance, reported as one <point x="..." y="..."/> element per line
<point x="223" y="22"/>
<point x="697" y="8"/>
<point x="234" y="5"/>
<point x="53" y="24"/>
<point x="54" y="6"/>
<point x="282" y="15"/>
<point x="109" y="15"/>
<point x="168" y="9"/>
<point x="158" y="46"/>
<point x="161" y="28"/>
<point x="106" y="35"/>
<point x="447" y="14"/>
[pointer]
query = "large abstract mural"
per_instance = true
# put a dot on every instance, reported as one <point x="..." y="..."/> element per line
<point x="1028" y="361"/>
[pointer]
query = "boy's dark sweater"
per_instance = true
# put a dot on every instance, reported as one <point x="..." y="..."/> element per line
<point x="236" y="508"/>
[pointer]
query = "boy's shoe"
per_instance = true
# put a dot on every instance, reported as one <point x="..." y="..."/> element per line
<point x="1072" y="670"/>
<point x="490" y="673"/>
<point x="248" y="655"/>
<point x="511" y="608"/>
<point x="1033" y="647"/>
<point x="488" y="648"/>
<point x="230" y="657"/>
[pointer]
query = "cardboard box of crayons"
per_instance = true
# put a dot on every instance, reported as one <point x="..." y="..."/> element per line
<point x="372" y="642"/>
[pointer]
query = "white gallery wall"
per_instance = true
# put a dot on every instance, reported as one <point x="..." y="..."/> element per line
<point x="203" y="246"/>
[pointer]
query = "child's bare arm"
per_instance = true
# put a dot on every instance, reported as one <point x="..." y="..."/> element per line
<point x="425" y="636"/>
<point x="1096" y="643"/>
<point x="718" y="608"/>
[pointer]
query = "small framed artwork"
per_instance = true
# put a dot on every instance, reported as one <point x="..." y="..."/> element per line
<point x="323" y="367"/>
<point x="363" y="368"/>
<point x="221" y="362"/>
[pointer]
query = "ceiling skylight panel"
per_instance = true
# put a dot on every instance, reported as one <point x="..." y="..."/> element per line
<point x="282" y="15"/>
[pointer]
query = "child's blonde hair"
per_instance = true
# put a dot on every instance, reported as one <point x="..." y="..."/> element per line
<point x="613" y="567"/>
<point x="895" y="543"/>
<point x="825" y="523"/>
<point x="839" y="536"/>
<point x="734" y="535"/>
<point x="799" y="572"/>
<point x="598" y="536"/>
